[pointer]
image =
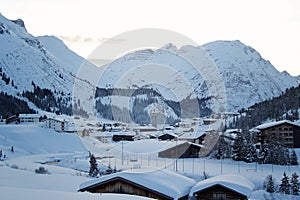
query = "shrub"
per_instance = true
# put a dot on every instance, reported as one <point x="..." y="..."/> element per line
<point x="41" y="170"/>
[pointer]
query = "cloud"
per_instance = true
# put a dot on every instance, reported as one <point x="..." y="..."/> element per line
<point x="82" y="39"/>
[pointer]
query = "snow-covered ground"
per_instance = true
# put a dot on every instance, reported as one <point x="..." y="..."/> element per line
<point x="65" y="156"/>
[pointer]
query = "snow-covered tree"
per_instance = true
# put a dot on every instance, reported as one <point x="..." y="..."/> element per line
<point x="222" y="149"/>
<point x="274" y="153"/>
<point x="295" y="185"/>
<point x="94" y="171"/>
<point x="269" y="184"/>
<point x="237" y="148"/>
<point x="249" y="150"/>
<point x="294" y="159"/>
<point x="285" y="185"/>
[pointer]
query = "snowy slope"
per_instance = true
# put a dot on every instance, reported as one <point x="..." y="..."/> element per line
<point x="24" y="59"/>
<point x="63" y="56"/>
<point x="29" y="139"/>
<point x="44" y="61"/>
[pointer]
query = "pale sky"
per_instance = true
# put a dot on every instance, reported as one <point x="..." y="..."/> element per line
<point x="272" y="27"/>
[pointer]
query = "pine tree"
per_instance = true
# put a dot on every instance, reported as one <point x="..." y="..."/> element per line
<point x="237" y="148"/>
<point x="269" y="184"/>
<point x="285" y="184"/>
<point x="295" y="185"/>
<point x="222" y="149"/>
<point x="294" y="159"/>
<point x="94" y="171"/>
<point x="249" y="150"/>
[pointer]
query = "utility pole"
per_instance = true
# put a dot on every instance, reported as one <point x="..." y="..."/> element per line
<point x="122" y="153"/>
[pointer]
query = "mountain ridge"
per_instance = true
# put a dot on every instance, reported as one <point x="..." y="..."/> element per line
<point x="32" y="64"/>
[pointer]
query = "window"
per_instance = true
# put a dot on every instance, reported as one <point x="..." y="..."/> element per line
<point x="219" y="196"/>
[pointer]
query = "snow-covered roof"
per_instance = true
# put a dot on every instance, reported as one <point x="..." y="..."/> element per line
<point x="233" y="182"/>
<point x="29" y="115"/>
<point x="196" y="133"/>
<point x="162" y="181"/>
<point x="167" y="133"/>
<point x="149" y="146"/>
<point x="57" y="119"/>
<point x="272" y="124"/>
<point x="233" y="130"/>
<point x="129" y="133"/>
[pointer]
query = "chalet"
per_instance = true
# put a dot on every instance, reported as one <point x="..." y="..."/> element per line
<point x="230" y="135"/>
<point x="209" y="121"/>
<point x="154" y="183"/>
<point x="168" y="136"/>
<point x="223" y="187"/>
<point x="123" y="136"/>
<point x="181" y="150"/>
<point x="56" y="124"/>
<point x="104" y="137"/>
<point x="33" y="118"/>
<point x="196" y="135"/>
<point x="141" y="137"/>
<point x="287" y="132"/>
<point x="144" y="129"/>
<point x="14" y="119"/>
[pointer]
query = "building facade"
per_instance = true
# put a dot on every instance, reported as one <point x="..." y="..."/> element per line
<point x="285" y="132"/>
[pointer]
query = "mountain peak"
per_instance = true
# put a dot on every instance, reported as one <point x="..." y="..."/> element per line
<point x="19" y="22"/>
<point x="170" y="47"/>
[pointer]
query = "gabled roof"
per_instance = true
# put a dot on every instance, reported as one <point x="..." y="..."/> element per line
<point x="236" y="183"/>
<point x="161" y="181"/>
<point x="272" y="124"/>
<point x="170" y="134"/>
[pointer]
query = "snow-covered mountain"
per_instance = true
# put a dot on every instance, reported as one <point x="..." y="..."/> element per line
<point x="297" y="79"/>
<point x="24" y="59"/>
<point x="179" y="76"/>
<point x="247" y="77"/>
<point x="28" y="63"/>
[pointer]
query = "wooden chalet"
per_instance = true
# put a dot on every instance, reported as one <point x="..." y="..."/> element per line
<point x="223" y="187"/>
<point x="181" y="150"/>
<point x="168" y="136"/>
<point x="123" y="137"/>
<point x="154" y="183"/>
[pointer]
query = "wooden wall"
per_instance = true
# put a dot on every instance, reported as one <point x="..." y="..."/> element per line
<point x="123" y="187"/>
<point x="216" y="193"/>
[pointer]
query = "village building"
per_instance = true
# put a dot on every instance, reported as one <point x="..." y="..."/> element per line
<point x="195" y="135"/>
<point x="181" y="150"/>
<point x="285" y="132"/>
<point x="154" y="183"/>
<point x="33" y="118"/>
<point x="223" y="187"/>
<point x="123" y="136"/>
<point x="14" y="119"/>
<point x="56" y="124"/>
<point x="230" y="135"/>
<point x="104" y="137"/>
<point x="80" y="131"/>
<point x="141" y="137"/>
<point x="144" y="129"/>
<point x="167" y="136"/>
<point x="209" y="121"/>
